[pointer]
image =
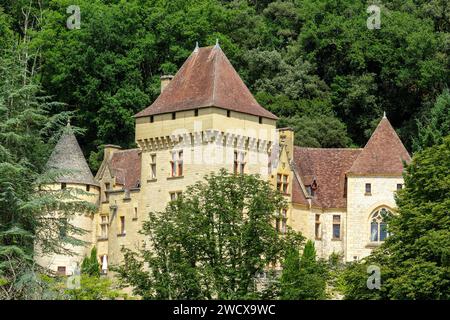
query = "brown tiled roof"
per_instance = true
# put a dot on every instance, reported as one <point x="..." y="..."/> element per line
<point x="126" y="167"/>
<point x="384" y="153"/>
<point x="298" y="196"/>
<point x="206" y="79"/>
<point x="328" y="167"/>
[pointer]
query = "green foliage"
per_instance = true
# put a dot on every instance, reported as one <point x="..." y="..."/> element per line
<point x="306" y="58"/>
<point x="436" y="124"/>
<point x="30" y="216"/>
<point x="91" y="288"/>
<point x="90" y="265"/>
<point x="211" y="242"/>
<point x="318" y="131"/>
<point x="414" y="260"/>
<point x="303" y="278"/>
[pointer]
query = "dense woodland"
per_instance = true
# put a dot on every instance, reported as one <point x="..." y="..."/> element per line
<point x="314" y="63"/>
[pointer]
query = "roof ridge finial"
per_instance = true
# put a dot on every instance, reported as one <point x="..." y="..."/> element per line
<point x="196" y="46"/>
<point x="217" y="43"/>
<point x="68" y="122"/>
<point x="384" y="115"/>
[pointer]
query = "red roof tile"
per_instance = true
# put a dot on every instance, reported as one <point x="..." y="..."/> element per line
<point x="328" y="167"/>
<point x="206" y="79"/>
<point x="298" y="196"/>
<point x="126" y="167"/>
<point x="384" y="153"/>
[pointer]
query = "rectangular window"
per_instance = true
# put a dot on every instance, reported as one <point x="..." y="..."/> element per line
<point x="63" y="185"/>
<point x="176" y="164"/>
<point x="151" y="119"/>
<point x="368" y="188"/>
<point x="285" y="184"/>
<point x="228" y="113"/>
<point x="153" y="166"/>
<point x="196" y="113"/>
<point x="122" y="225"/>
<point x="88" y="187"/>
<point x="282" y="183"/>
<point x="336" y="227"/>
<point x="107" y="188"/>
<point x="283" y="221"/>
<point x="399" y="186"/>
<point x="174" y="115"/>
<point x="135" y="216"/>
<point x="317" y="227"/>
<point x="61" y="271"/>
<point x="180" y="163"/>
<point x="104" y="226"/>
<point x="239" y="162"/>
<point x="174" y="195"/>
<point x="260" y="119"/>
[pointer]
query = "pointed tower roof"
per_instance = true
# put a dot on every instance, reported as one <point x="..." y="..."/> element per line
<point x="206" y="79"/>
<point x="67" y="155"/>
<point x="384" y="153"/>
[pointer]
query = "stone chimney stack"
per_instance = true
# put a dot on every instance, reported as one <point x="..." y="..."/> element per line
<point x="165" y="80"/>
<point x="109" y="149"/>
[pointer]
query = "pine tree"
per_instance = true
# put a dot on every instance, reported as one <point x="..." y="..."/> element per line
<point x="90" y="265"/>
<point x="29" y="215"/>
<point x="303" y="278"/>
<point x="437" y="124"/>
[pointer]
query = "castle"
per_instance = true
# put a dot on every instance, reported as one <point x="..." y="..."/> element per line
<point x="206" y="119"/>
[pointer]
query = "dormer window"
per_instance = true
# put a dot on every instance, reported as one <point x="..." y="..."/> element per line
<point x="283" y="183"/>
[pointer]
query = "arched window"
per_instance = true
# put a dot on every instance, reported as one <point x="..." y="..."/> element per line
<point x="378" y="230"/>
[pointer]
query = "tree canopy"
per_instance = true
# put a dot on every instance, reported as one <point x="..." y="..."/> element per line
<point x="415" y="259"/>
<point x="211" y="242"/>
<point x="302" y="58"/>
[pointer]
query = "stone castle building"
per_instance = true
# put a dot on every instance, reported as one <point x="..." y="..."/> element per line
<point x="206" y="119"/>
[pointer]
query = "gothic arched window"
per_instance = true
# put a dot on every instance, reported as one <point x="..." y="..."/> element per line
<point x="378" y="230"/>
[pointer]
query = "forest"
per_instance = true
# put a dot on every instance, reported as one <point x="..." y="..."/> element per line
<point x="313" y="63"/>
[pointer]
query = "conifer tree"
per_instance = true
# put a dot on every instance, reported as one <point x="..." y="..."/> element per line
<point x="30" y="215"/>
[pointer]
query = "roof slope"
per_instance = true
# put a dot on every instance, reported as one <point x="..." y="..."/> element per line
<point x="206" y="79"/>
<point x="68" y="156"/>
<point x="384" y="153"/>
<point x="125" y="166"/>
<point x="328" y="167"/>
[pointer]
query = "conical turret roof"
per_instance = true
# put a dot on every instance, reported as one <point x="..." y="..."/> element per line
<point x="67" y="155"/>
<point x="206" y="79"/>
<point x="384" y="153"/>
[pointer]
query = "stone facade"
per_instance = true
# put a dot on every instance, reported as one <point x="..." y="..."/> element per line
<point x="325" y="190"/>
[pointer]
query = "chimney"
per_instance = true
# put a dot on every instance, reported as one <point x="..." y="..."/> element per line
<point x="286" y="138"/>
<point x="109" y="149"/>
<point x="165" y="80"/>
